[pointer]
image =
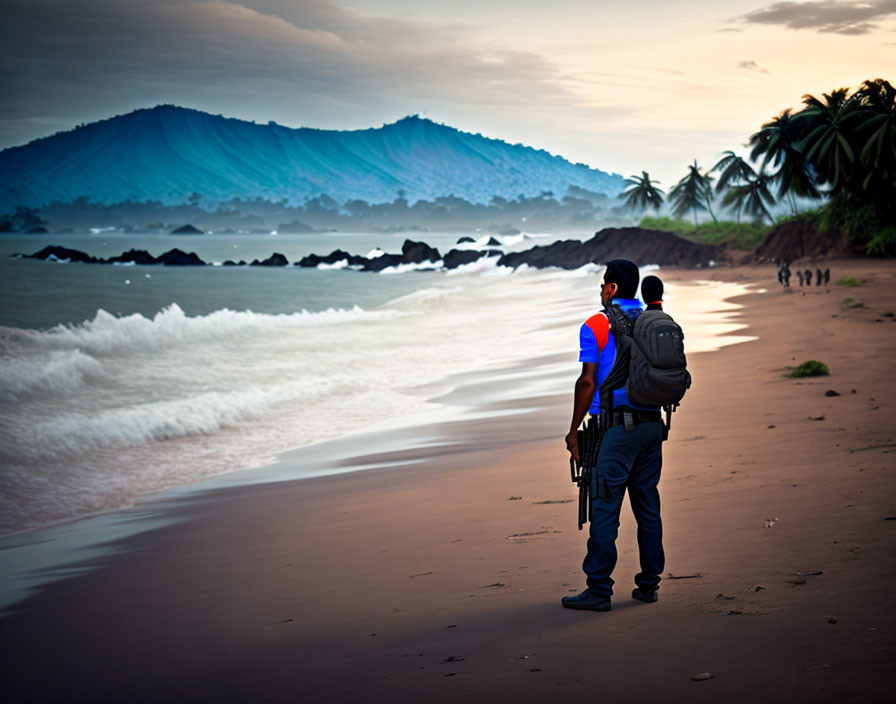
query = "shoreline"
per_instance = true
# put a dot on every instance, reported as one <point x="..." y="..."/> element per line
<point x="35" y="557"/>
<point x="370" y="582"/>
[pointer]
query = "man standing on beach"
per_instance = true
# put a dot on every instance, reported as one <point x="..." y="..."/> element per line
<point x="630" y="455"/>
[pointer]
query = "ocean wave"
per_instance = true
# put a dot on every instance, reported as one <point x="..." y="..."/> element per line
<point x="107" y="334"/>
<point x="139" y="424"/>
<point x="62" y="371"/>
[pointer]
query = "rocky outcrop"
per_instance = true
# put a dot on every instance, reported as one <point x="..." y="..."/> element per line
<point x="635" y="243"/>
<point x="384" y="261"/>
<point x="337" y="255"/>
<point x="459" y="257"/>
<point x="419" y="252"/>
<point x="492" y="242"/>
<point x="177" y="257"/>
<point x="464" y="239"/>
<point x="137" y="256"/>
<point x="56" y="253"/>
<point x="276" y="259"/>
<point x="800" y="239"/>
<point x="187" y="230"/>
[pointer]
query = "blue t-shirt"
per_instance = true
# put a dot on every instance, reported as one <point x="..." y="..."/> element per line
<point x="597" y="345"/>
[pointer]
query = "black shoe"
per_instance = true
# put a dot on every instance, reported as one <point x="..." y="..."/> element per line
<point x="587" y="601"/>
<point x="646" y="597"/>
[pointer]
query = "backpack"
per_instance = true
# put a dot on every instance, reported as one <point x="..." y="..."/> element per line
<point x="650" y="360"/>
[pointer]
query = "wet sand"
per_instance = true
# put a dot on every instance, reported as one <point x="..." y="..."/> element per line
<point x="441" y="581"/>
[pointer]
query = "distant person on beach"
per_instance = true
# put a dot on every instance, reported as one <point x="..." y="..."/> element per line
<point x="786" y="275"/>
<point x="818" y="276"/>
<point x="808" y="275"/>
<point x="827" y="276"/>
<point x="630" y="455"/>
<point x="800" y="275"/>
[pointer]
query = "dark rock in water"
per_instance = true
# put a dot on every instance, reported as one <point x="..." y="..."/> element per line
<point x="276" y="259"/>
<point x="459" y="257"/>
<point x="242" y="262"/>
<point x="138" y="256"/>
<point x="39" y="230"/>
<point x="187" y="230"/>
<point x="492" y="242"/>
<point x="177" y="257"/>
<point x="417" y="252"/>
<point x="465" y="239"/>
<point x="337" y="255"/>
<point x="384" y="261"/>
<point x="228" y="262"/>
<point x="55" y="252"/>
<point x="635" y="243"/>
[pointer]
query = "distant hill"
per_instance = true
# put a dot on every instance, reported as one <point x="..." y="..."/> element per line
<point x="167" y="153"/>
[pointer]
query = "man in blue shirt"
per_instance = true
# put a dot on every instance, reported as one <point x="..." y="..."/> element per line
<point x="630" y="455"/>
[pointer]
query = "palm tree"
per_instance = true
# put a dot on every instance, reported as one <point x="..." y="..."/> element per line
<point x="796" y="177"/>
<point x="752" y="196"/>
<point x="779" y="141"/>
<point x="732" y="168"/>
<point x="775" y="138"/>
<point x="829" y="142"/>
<point x="878" y="155"/>
<point x="690" y="193"/>
<point x="641" y="194"/>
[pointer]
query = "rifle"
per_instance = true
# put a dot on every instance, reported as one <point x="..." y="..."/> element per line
<point x="582" y="472"/>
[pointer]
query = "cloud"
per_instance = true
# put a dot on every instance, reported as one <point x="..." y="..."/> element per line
<point x="848" y="17"/>
<point x="297" y="62"/>
<point x="750" y="66"/>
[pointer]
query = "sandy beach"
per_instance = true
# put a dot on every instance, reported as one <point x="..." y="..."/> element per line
<point x="441" y="581"/>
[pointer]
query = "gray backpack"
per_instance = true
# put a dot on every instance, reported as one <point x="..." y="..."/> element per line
<point x="658" y="374"/>
<point x="650" y="361"/>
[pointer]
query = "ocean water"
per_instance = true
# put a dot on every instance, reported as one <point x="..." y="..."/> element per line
<point x="120" y="381"/>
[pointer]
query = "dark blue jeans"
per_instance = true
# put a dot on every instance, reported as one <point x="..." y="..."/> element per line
<point x="627" y="460"/>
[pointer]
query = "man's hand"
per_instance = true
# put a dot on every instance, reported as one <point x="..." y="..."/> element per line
<point x="572" y="444"/>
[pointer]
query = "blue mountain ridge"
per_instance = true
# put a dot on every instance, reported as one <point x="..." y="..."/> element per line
<point x="167" y="153"/>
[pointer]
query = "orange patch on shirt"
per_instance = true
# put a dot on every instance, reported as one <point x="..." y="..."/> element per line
<point x="600" y="326"/>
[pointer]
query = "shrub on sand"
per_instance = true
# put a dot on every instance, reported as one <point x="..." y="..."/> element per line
<point x="848" y="281"/>
<point x="811" y="367"/>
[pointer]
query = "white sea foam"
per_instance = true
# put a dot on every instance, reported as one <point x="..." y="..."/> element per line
<point x="418" y="266"/>
<point x="97" y="413"/>
<point x="341" y="264"/>
<point x="107" y="334"/>
<point x="56" y="371"/>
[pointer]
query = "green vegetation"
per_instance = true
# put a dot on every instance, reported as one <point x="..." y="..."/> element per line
<point x="846" y="301"/>
<point x="841" y="147"/>
<point x="863" y="223"/>
<point x="811" y="367"/>
<point x="848" y="281"/>
<point x="743" y="235"/>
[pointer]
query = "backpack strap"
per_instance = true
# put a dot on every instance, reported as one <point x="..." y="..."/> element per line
<point x="621" y="326"/>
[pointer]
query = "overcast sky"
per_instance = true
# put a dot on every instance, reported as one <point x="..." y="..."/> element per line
<point x="622" y="85"/>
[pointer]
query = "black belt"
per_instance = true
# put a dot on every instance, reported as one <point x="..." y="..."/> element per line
<point x="634" y="417"/>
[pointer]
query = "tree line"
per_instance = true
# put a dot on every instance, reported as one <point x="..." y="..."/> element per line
<point x="840" y="148"/>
